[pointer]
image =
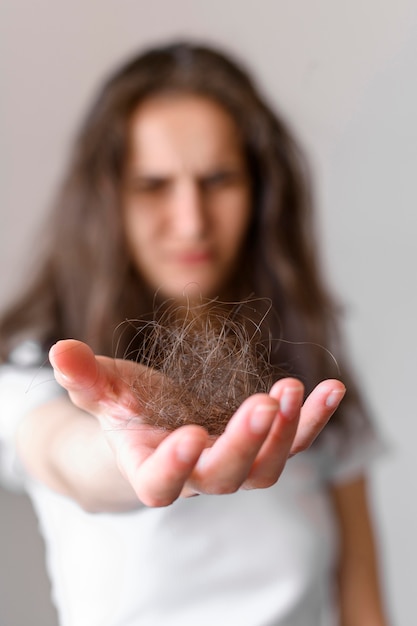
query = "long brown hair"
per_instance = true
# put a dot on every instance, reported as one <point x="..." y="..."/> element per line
<point x="87" y="284"/>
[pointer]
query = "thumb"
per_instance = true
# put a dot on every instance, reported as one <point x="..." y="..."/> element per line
<point x="100" y="385"/>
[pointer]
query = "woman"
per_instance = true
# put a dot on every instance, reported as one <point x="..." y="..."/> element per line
<point x="182" y="178"/>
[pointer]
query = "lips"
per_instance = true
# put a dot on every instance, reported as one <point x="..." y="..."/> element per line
<point x="192" y="257"/>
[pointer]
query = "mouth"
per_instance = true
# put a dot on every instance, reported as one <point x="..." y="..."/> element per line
<point x="193" y="257"/>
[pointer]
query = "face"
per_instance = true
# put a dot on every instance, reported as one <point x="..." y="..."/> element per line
<point x="187" y="195"/>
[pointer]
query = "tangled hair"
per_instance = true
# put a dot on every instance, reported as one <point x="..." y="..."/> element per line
<point x="209" y="357"/>
<point x="87" y="284"/>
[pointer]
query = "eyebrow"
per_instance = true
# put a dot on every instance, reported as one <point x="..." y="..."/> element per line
<point x="154" y="179"/>
<point x="138" y="180"/>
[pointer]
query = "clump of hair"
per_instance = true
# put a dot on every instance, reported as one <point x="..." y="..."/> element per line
<point x="209" y="357"/>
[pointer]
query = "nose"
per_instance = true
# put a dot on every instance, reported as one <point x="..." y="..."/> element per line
<point x="189" y="220"/>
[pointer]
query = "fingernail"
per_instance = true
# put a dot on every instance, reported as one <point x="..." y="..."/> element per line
<point x="262" y="417"/>
<point x="184" y="454"/>
<point x="287" y="401"/>
<point x="334" y="398"/>
<point x="62" y="376"/>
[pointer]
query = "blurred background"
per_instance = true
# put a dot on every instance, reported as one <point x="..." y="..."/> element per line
<point x="345" y="75"/>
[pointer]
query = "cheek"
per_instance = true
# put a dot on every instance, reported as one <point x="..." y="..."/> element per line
<point x="234" y="221"/>
<point x="137" y="240"/>
<point x="140" y="228"/>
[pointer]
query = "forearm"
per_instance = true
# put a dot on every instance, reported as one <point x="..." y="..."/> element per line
<point x="360" y="596"/>
<point x="65" y="448"/>
<point x="361" y="602"/>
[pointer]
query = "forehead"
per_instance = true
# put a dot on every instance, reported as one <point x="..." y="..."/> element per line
<point x="182" y="131"/>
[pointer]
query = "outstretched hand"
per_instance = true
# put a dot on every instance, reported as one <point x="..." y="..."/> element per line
<point x="161" y="465"/>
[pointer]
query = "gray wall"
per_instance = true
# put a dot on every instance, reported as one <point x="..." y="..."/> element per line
<point x="345" y="74"/>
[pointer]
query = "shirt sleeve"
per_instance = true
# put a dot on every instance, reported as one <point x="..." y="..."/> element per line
<point x="347" y="455"/>
<point x="23" y="387"/>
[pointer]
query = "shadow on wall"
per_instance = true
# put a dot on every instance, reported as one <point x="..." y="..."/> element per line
<point x="24" y="586"/>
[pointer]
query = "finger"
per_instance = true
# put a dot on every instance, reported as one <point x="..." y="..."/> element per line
<point x="224" y="467"/>
<point x="160" y="478"/>
<point x="75" y="366"/>
<point x="273" y="455"/>
<point x="316" y="412"/>
<point x="100" y="385"/>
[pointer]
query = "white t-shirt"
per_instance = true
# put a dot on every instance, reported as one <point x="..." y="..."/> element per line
<point x="254" y="558"/>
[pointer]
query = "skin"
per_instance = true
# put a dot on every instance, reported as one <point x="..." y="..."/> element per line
<point x="360" y="598"/>
<point x="187" y="200"/>
<point x="186" y="215"/>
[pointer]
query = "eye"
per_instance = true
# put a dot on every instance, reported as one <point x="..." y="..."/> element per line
<point x="220" y="179"/>
<point x="148" y="184"/>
